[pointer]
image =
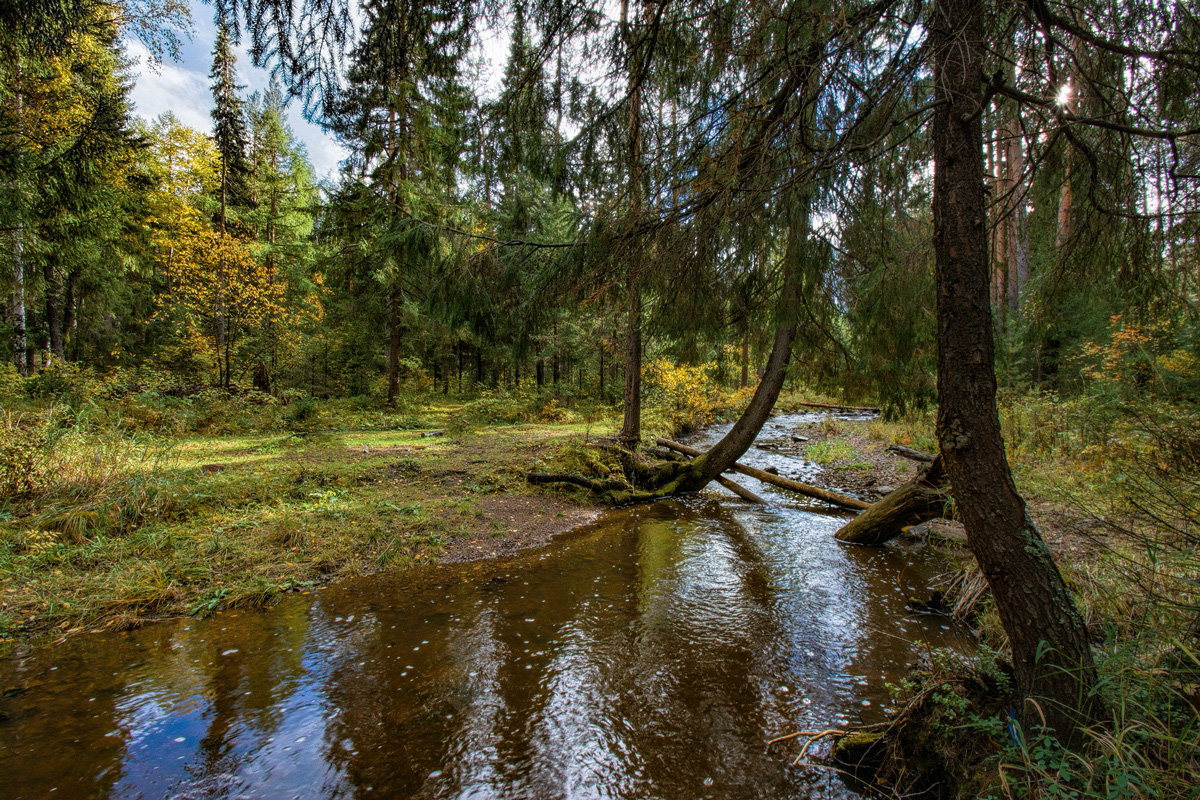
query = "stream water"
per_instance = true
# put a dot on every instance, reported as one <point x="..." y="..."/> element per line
<point x="650" y="655"/>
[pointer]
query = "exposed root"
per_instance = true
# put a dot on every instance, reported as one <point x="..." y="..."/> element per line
<point x="645" y="480"/>
<point x="813" y="737"/>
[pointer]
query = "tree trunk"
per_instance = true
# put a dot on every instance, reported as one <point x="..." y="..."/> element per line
<point x="20" y="343"/>
<point x="393" y="326"/>
<point x="745" y="360"/>
<point x="631" y="427"/>
<point x="70" y="317"/>
<point x="816" y="492"/>
<point x="18" y="301"/>
<point x="1018" y="237"/>
<point x="1053" y="662"/>
<point x="1063" y="233"/>
<point x="219" y="310"/>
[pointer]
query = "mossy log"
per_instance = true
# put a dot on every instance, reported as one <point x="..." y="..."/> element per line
<point x="922" y="498"/>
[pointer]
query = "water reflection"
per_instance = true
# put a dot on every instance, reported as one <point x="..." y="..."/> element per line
<point x="651" y="655"/>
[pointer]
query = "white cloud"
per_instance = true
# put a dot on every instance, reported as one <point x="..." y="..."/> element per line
<point x="183" y="89"/>
<point x="171" y="87"/>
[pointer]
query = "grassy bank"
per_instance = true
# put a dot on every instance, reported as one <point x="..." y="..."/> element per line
<point x="109" y="529"/>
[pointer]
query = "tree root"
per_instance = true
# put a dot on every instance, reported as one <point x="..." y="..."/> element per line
<point x="648" y="481"/>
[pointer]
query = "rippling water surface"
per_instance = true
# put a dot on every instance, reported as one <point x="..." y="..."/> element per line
<point x="650" y="655"/>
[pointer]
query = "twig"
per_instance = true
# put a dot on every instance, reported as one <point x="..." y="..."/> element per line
<point x="815" y="737"/>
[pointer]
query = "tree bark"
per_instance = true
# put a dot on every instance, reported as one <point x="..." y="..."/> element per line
<point x="909" y="453"/>
<point x="740" y="491"/>
<point x="1054" y="667"/>
<point x="393" y="326"/>
<point x="745" y="360"/>
<point x="18" y="299"/>
<point x="922" y="498"/>
<point x="631" y="427"/>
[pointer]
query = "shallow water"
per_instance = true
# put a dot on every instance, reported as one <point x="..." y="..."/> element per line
<point x="650" y="655"/>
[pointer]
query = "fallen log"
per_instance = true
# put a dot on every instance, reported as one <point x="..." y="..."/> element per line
<point x="836" y="498"/>
<point x="865" y="409"/>
<point x="740" y="491"/>
<point x="909" y="453"/>
<point x="922" y="498"/>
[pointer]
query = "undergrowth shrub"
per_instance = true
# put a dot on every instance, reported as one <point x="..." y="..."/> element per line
<point x="1148" y="748"/>
<point x="682" y="398"/>
<point x="66" y="478"/>
<point x="22" y="469"/>
<point x="498" y="406"/>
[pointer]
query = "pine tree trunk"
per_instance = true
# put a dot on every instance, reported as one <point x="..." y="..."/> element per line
<point x="18" y="300"/>
<point x="222" y="371"/>
<point x="18" y="297"/>
<point x="1018" y="238"/>
<point x="1063" y="233"/>
<point x="393" y="326"/>
<point x="631" y="426"/>
<point x="53" y="310"/>
<point x="745" y="360"/>
<point x="726" y="452"/>
<point x="1053" y="661"/>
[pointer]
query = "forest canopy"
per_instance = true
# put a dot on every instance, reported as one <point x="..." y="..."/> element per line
<point x="643" y="163"/>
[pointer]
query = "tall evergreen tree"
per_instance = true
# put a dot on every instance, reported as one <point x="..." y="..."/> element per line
<point x="229" y="134"/>
<point x="400" y="114"/>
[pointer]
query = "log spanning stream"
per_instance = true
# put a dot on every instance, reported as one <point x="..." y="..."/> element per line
<point x="650" y="655"/>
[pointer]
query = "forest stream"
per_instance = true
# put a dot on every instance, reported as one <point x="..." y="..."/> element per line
<point x="649" y="655"/>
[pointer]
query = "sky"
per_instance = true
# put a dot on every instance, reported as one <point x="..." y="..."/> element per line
<point x="182" y="87"/>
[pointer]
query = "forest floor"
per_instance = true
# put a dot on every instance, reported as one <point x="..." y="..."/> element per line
<point x="203" y="523"/>
<point x="853" y="457"/>
<point x="107" y="526"/>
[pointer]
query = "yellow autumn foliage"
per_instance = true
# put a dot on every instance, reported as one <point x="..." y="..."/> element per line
<point x="689" y="395"/>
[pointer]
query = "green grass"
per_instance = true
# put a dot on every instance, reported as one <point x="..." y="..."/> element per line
<point x="830" y="450"/>
<point x="117" y="526"/>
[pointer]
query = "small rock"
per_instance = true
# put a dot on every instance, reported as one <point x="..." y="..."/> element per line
<point x="796" y="438"/>
<point x="885" y="489"/>
<point x="772" y="470"/>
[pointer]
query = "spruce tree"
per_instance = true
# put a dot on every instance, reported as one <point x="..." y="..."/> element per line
<point x="399" y="113"/>
<point x="229" y="135"/>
